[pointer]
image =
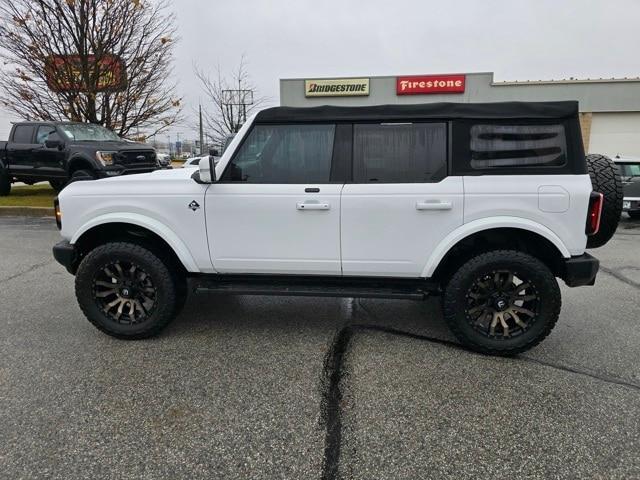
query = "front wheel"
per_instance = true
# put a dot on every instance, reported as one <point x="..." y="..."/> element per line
<point x="502" y="302"/>
<point x="126" y="291"/>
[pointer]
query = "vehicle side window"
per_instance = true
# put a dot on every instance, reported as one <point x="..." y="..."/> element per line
<point x="399" y="152"/>
<point x="284" y="154"/>
<point x="23" y="133"/>
<point x="517" y="146"/>
<point x="629" y="169"/>
<point x="43" y="133"/>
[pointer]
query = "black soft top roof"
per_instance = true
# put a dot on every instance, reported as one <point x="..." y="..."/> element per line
<point x="498" y="110"/>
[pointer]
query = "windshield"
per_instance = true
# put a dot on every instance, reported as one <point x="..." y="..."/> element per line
<point x="629" y="169"/>
<point x="88" y="133"/>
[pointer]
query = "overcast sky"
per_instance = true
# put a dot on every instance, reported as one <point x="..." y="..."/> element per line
<point x="516" y="39"/>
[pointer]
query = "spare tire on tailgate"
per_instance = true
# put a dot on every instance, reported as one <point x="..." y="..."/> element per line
<point x="605" y="178"/>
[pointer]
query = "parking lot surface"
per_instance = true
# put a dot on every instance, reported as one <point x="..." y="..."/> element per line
<point x="263" y="387"/>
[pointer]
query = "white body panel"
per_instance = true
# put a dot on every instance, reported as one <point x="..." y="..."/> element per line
<point x="256" y="228"/>
<point x="157" y="201"/>
<point x="391" y="229"/>
<point x="522" y="197"/>
<point x="401" y="230"/>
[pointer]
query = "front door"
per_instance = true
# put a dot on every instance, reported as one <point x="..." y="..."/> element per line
<point x="49" y="161"/>
<point x="401" y="203"/>
<point x="276" y="208"/>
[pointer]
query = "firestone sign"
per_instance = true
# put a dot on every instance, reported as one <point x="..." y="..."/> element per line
<point x="426" y="84"/>
<point x="336" y="87"/>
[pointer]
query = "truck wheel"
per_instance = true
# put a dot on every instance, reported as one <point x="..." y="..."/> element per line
<point x="605" y="178"/>
<point x="57" y="185"/>
<point x="127" y="291"/>
<point x="634" y="215"/>
<point x="502" y="302"/>
<point x="5" y="184"/>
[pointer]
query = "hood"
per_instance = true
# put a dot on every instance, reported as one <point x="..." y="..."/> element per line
<point x="157" y="182"/>
<point x="118" y="145"/>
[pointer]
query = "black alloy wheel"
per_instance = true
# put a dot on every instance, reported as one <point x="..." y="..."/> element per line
<point x="124" y="292"/>
<point x="128" y="291"/>
<point x="502" y="302"/>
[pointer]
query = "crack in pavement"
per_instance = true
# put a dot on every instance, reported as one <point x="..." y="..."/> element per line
<point x="24" y="272"/>
<point x="615" y="272"/>
<point x="333" y="388"/>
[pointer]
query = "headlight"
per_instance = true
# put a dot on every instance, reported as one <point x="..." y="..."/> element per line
<point x="106" y="158"/>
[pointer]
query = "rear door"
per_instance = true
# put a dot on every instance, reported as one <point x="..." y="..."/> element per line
<point x="401" y="203"/>
<point x="276" y="208"/>
<point x="20" y="149"/>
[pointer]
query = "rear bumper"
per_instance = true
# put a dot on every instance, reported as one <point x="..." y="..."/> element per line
<point x="580" y="270"/>
<point x="66" y="255"/>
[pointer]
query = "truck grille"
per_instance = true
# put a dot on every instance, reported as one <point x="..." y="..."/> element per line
<point x="137" y="157"/>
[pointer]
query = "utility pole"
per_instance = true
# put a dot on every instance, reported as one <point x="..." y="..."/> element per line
<point x="201" y="133"/>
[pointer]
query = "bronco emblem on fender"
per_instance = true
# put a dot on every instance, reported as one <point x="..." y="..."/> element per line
<point x="194" y="205"/>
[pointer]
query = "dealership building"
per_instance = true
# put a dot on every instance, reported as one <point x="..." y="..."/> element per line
<point x="609" y="108"/>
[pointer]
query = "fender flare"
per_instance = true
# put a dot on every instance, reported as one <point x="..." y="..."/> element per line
<point x="489" y="223"/>
<point x="151" y="224"/>
<point x="79" y="158"/>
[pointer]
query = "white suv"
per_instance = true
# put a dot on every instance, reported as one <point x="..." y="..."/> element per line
<point x="485" y="204"/>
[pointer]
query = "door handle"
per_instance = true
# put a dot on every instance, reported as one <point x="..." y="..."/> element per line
<point x="312" y="206"/>
<point x="434" y="205"/>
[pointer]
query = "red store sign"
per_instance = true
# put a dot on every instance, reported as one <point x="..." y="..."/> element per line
<point x="425" y="84"/>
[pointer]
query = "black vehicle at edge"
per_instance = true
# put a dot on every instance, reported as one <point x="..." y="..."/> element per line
<point x="58" y="152"/>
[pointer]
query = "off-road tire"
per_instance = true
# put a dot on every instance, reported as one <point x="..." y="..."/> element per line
<point x="605" y="178"/>
<point x="5" y="184"/>
<point x="456" y="298"/>
<point x="57" y="185"/>
<point x="167" y="290"/>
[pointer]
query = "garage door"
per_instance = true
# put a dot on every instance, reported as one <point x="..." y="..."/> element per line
<point x="615" y="134"/>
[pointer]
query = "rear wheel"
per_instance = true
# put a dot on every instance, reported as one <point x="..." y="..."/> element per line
<point x="127" y="291"/>
<point x="605" y="178"/>
<point x="5" y="184"/>
<point x="502" y="302"/>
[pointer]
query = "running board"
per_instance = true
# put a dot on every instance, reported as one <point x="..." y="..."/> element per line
<point x="308" y="286"/>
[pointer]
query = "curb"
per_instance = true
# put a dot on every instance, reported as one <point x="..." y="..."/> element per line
<point x="26" y="212"/>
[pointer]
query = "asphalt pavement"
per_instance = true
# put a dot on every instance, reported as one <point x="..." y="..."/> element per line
<point x="261" y="387"/>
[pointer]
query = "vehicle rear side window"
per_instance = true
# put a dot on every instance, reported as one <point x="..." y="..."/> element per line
<point x="399" y="152"/>
<point x="23" y="133"/>
<point x="498" y="146"/>
<point x="284" y="154"/>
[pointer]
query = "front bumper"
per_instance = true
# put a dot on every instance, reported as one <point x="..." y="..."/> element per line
<point x="631" y="204"/>
<point x="66" y="255"/>
<point x="580" y="270"/>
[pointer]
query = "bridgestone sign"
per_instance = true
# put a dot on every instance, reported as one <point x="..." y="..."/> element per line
<point x="338" y="87"/>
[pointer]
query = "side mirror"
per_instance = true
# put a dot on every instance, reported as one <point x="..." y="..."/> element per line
<point x="214" y="152"/>
<point x="207" y="169"/>
<point x="53" y="141"/>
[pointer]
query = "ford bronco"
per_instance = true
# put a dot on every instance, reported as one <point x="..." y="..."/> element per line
<point x="483" y="204"/>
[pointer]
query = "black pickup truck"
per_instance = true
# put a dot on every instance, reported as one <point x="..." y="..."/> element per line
<point x="60" y="151"/>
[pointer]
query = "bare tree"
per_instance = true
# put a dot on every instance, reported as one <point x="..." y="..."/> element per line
<point x="222" y="114"/>
<point x="98" y="61"/>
